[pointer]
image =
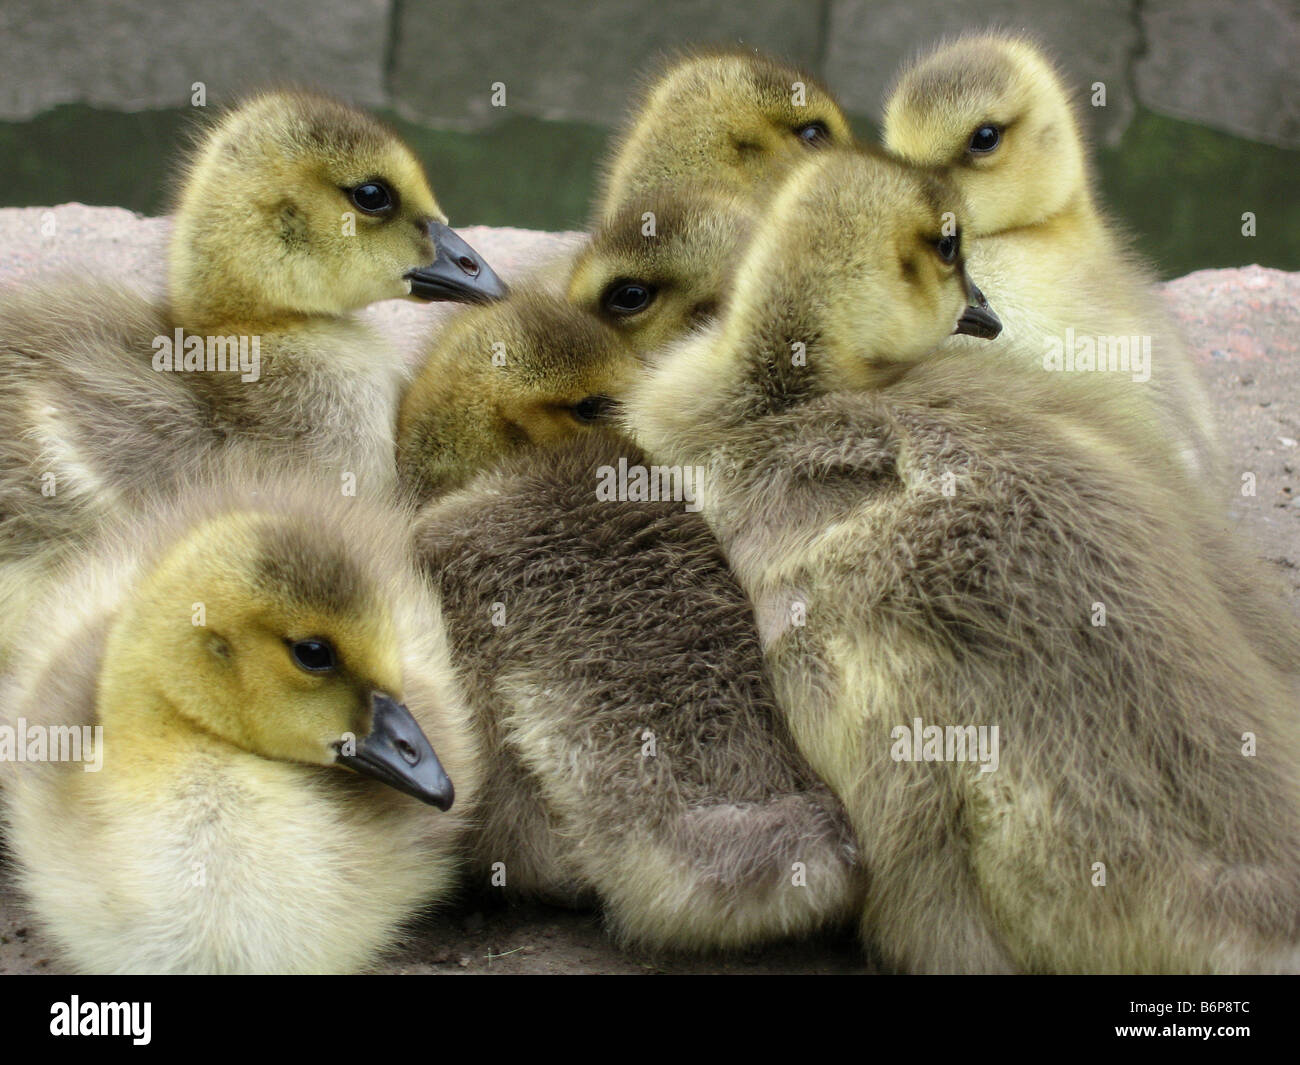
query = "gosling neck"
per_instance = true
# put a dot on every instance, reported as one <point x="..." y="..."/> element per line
<point x="207" y="296"/>
<point x="143" y="728"/>
<point x="243" y="317"/>
<point x="782" y="350"/>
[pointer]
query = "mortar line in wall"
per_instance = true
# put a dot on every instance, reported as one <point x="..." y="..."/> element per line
<point x="1140" y="48"/>
<point x="824" y="38"/>
<point x="389" y="73"/>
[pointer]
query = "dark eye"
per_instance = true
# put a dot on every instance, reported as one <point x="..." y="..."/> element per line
<point x="985" y="139"/>
<point x="373" y="197"/>
<point x="814" y="134"/>
<point x="315" y="656"/>
<point x="948" y="248"/>
<point x="627" y="297"/>
<point x="592" y="409"/>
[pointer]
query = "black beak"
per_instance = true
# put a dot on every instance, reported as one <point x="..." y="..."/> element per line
<point x="978" y="320"/>
<point x="458" y="274"/>
<point x="397" y="752"/>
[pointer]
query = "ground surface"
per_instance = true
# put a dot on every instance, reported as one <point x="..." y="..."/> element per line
<point x="1243" y="326"/>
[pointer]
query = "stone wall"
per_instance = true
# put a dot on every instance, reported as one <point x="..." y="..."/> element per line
<point x="1228" y="65"/>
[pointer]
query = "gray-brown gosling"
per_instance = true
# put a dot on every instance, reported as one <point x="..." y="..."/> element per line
<point x="994" y="111"/>
<point x="636" y="756"/>
<point x="733" y="117"/>
<point x="965" y="548"/>
<point x="294" y="212"/>
<point x="529" y="371"/>
<point x="234" y="687"/>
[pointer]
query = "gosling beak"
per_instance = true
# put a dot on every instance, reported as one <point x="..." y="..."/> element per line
<point x="397" y="752"/>
<point x="978" y="320"/>
<point x="458" y="274"/>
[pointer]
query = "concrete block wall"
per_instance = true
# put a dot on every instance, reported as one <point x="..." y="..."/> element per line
<point x="1226" y="65"/>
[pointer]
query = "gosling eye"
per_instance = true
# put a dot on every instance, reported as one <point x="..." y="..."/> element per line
<point x="625" y="298"/>
<point x="313" y="656"/>
<point x="592" y="409"/>
<point x="372" y="197"/>
<point x="813" y="134"/>
<point x="984" y="139"/>
<point x="948" y="247"/>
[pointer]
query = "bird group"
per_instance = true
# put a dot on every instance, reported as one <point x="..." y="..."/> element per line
<point x="748" y="573"/>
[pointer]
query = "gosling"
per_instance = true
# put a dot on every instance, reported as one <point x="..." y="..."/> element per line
<point x="294" y="212"/>
<point x="995" y="112"/>
<point x="637" y="758"/>
<point x="969" y="548"/>
<point x="683" y="810"/>
<point x="662" y="266"/>
<point x="528" y="372"/>
<point x="733" y="117"/>
<point x="251" y="667"/>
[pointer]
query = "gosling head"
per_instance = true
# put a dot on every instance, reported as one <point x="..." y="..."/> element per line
<point x="294" y="656"/>
<point x="531" y="371"/>
<point x="864" y="254"/>
<point x="296" y="205"/>
<point x="995" y="111"/>
<point x="728" y="117"/>
<point x="660" y="266"/>
<point x="854" y="274"/>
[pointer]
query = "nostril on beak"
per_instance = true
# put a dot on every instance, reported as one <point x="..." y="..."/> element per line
<point x="409" y="753"/>
<point x="468" y="265"/>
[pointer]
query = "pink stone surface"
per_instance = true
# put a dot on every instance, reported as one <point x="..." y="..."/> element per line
<point x="1238" y="315"/>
